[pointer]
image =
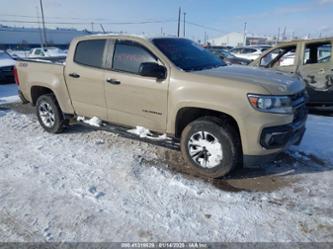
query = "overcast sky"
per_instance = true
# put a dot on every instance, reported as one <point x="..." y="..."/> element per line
<point x="217" y="16"/>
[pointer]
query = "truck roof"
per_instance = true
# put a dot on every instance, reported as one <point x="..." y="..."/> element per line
<point x="115" y="36"/>
<point x="305" y="40"/>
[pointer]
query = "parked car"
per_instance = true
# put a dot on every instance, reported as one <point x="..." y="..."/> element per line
<point x="223" y="116"/>
<point x="262" y="47"/>
<point x="247" y="53"/>
<point x="228" y="57"/>
<point x="46" y="52"/>
<point x="7" y="64"/>
<point x="220" y="47"/>
<point x="311" y="60"/>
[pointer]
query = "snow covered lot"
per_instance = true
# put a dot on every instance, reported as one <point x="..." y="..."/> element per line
<point x="90" y="185"/>
<point x="8" y="93"/>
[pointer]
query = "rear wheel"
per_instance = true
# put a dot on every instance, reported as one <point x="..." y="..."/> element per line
<point x="211" y="147"/>
<point x="49" y="114"/>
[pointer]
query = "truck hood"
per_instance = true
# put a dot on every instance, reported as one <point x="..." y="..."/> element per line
<point x="275" y="82"/>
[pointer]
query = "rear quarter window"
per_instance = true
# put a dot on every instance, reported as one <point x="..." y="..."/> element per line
<point x="90" y="53"/>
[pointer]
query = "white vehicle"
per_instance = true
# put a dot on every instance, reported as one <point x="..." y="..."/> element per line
<point x="249" y="53"/>
<point x="46" y="52"/>
<point x="6" y="67"/>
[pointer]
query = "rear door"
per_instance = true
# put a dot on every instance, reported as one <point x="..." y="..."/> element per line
<point x="133" y="99"/>
<point x="317" y="70"/>
<point x="85" y="78"/>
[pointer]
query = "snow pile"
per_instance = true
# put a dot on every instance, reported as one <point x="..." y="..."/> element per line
<point x="145" y="133"/>
<point x="94" y="121"/>
<point x="8" y="94"/>
<point x="69" y="188"/>
<point x="318" y="138"/>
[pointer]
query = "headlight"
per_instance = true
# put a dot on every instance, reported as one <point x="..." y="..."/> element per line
<point x="272" y="104"/>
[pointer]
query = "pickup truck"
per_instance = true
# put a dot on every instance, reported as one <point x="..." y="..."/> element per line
<point x="223" y="116"/>
<point x="310" y="59"/>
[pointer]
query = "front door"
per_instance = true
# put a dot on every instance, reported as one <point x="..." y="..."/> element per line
<point x="85" y="79"/>
<point x="132" y="99"/>
<point x="317" y="71"/>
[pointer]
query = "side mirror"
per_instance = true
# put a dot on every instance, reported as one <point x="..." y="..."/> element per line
<point x="151" y="69"/>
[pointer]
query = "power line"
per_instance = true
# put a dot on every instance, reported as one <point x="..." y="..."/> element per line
<point x="89" y="23"/>
<point x="114" y="23"/>
<point x="205" y="27"/>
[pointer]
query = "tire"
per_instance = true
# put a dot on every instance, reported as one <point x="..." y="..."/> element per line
<point x="49" y="114"/>
<point x="211" y="147"/>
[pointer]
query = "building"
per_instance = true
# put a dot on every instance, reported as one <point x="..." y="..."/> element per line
<point x="235" y="39"/>
<point x="25" y="38"/>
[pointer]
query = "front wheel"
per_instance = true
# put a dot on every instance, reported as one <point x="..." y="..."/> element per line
<point x="49" y="114"/>
<point x="211" y="147"/>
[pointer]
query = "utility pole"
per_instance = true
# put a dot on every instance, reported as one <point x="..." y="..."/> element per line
<point x="284" y="33"/>
<point x="179" y="14"/>
<point x="43" y="21"/>
<point x="40" y="30"/>
<point x="244" y="34"/>
<point x="184" y="24"/>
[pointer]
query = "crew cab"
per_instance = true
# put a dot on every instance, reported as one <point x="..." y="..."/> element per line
<point x="312" y="60"/>
<point x="223" y="116"/>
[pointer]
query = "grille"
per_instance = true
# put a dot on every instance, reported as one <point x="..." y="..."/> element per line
<point x="299" y="105"/>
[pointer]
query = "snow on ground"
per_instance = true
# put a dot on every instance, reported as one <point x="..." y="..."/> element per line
<point x="88" y="185"/>
<point x="319" y="137"/>
<point x="8" y="94"/>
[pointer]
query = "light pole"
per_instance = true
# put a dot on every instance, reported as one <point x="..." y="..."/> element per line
<point x="179" y="14"/>
<point x="43" y="22"/>
<point x="244" y="34"/>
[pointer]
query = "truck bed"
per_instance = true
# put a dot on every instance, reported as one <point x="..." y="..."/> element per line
<point x="43" y="74"/>
<point x="54" y="60"/>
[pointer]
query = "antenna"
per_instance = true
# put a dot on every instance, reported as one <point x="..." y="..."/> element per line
<point x="184" y="24"/>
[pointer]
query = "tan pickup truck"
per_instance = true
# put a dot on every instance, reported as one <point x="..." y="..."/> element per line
<point x="223" y="115"/>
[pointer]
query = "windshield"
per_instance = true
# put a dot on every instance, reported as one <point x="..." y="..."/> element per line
<point x="4" y="55"/>
<point x="187" y="54"/>
<point x="227" y="54"/>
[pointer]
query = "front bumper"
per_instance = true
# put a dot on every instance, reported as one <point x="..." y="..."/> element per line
<point x="282" y="136"/>
<point x="278" y="137"/>
<point x="275" y="138"/>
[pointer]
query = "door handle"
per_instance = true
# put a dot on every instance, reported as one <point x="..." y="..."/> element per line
<point x="113" y="81"/>
<point x="74" y="75"/>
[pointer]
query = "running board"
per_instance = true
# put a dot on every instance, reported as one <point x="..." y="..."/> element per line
<point x="170" y="143"/>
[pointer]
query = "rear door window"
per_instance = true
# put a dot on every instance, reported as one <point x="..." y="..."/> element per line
<point x="90" y="53"/>
<point x="317" y="53"/>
